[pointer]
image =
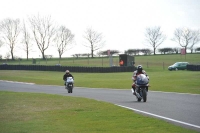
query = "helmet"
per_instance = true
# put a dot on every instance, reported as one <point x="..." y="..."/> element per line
<point x="67" y="71"/>
<point x="139" y="68"/>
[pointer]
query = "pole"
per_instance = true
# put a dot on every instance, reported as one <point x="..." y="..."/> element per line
<point x="163" y="65"/>
<point x="102" y="61"/>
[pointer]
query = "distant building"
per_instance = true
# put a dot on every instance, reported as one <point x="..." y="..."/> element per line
<point x="126" y="60"/>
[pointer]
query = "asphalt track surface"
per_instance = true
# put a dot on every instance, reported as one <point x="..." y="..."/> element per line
<point x="177" y="108"/>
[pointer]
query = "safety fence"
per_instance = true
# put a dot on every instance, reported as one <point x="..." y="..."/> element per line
<point x="191" y="67"/>
<point x="71" y="68"/>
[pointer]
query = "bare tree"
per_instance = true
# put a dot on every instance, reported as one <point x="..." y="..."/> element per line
<point x="10" y="29"/>
<point x="43" y="31"/>
<point x="85" y="55"/>
<point x="154" y="37"/>
<point x="63" y="38"/>
<point x="195" y="39"/>
<point x="176" y="50"/>
<point x="166" y="50"/>
<point x="112" y="52"/>
<point x="1" y="43"/>
<point x="7" y="56"/>
<point x="94" y="40"/>
<point x="76" y="55"/>
<point x="26" y="38"/>
<point x="146" y="51"/>
<point x="186" y="37"/>
<point x="132" y="51"/>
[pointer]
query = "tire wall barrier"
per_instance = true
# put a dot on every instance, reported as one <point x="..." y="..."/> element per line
<point x="71" y="68"/>
<point x="193" y="67"/>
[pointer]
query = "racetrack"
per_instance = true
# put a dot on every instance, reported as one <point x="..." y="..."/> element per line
<point x="180" y="109"/>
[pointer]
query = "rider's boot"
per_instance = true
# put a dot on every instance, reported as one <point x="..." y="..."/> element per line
<point x="133" y="91"/>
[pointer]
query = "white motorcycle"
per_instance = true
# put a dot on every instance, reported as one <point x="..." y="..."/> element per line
<point x="69" y="84"/>
<point x="142" y="84"/>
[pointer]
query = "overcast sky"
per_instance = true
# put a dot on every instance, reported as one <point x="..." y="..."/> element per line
<point x="122" y="22"/>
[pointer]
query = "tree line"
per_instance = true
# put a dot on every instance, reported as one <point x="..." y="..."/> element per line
<point x="43" y="32"/>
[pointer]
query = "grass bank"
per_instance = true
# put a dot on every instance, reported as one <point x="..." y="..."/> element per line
<point x="156" y="62"/>
<point x="40" y="113"/>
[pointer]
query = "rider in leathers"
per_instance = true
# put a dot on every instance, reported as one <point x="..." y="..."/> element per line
<point x="135" y="74"/>
<point x="67" y="74"/>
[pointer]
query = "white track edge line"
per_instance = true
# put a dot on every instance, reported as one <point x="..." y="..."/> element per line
<point x="17" y="82"/>
<point x="177" y="121"/>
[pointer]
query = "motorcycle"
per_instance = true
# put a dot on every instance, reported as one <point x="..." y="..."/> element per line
<point x="69" y="84"/>
<point x="142" y="84"/>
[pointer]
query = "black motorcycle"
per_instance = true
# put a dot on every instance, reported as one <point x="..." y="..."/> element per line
<point x="142" y="84"/>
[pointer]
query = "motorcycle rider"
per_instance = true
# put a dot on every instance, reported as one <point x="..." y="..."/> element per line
<point x="138" y="71"/>
<point x="67" y="74"/>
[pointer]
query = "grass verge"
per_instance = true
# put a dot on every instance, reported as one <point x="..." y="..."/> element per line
<point x="40" y="113"/>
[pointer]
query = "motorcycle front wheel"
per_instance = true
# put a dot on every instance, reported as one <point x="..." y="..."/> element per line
<point x="69" y="89"/>
<point x="144" y="95"/>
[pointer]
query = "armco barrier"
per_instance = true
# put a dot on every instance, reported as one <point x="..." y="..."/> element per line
<point x="193" y="67"/>
<point x="71" y="68"/>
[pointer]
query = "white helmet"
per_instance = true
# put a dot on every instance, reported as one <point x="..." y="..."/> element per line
<point x="67" y="71"/>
